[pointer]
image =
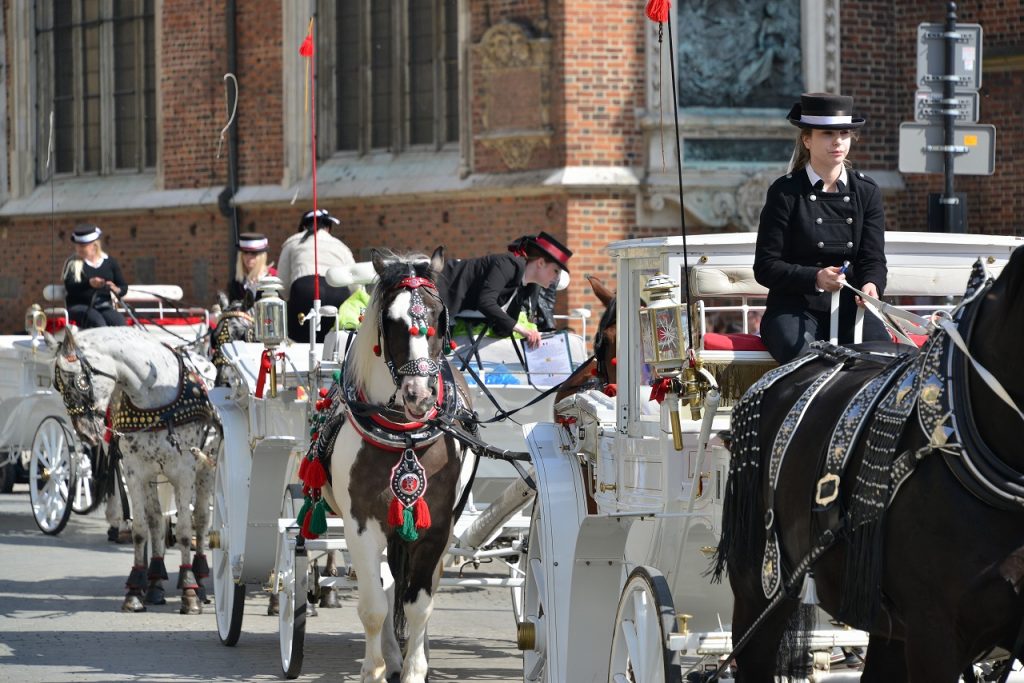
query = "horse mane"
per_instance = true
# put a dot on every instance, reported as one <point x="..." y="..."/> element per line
<point x="362" y="357"/>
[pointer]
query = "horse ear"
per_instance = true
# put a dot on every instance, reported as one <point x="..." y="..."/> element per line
<point x="603" y="293"/>
<point x="68" y="347"/>
<point x="379" y="260"/>
<point x="437" y="260"/>
<point x="51" y="341"/>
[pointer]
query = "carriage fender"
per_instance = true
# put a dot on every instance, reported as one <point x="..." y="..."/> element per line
<point x="22" y="416"/>
<point x="582" y="561"/>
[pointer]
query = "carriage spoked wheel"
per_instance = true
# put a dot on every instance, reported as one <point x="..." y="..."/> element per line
<point x="229" y="595"/>
<point x="292" y="580"/>
<point x="533" y="601"/>
<point x="52" y="475"/>
<point x="644" y="621"/>
<point x="86" y="497"/>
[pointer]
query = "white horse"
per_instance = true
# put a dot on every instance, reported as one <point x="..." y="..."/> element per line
<point x="163" y="423"/>
<point x="396" y="382"/>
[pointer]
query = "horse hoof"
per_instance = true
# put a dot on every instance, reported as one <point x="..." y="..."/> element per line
<point x="132" y="603"/>
<point x="311" y="609"/>
<point x="274" y="606"/>
<point x="155" y="596"/>
<point x="329" y="599"/>
<point x="112" y="534"/>
<point x="124" y="536"/>
<point x="190" y="605"/>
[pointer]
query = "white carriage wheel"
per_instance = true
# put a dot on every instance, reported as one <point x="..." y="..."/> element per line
<point x="229" y="595"/>
<point x="533" y="602"/>
<point x="52" y="476"/>
<point x="86" y="495"/>
<point x="643" y="622"/>
<point x="292" y="567"/>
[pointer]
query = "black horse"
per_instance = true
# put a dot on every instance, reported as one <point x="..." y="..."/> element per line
<point x="909" y="523"/>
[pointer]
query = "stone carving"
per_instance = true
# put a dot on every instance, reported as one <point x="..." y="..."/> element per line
<point x="739" y="53"/>
<point x="750" y="198"/>
<point x="516" y="151"/>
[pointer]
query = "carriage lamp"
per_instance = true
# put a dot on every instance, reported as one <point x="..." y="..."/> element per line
<point x="35" y="320"/>
<point x="270" y="318"/>
<point x="662" y="335"/>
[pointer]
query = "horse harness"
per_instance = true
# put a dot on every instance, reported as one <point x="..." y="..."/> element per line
<point x="222" y="333"/>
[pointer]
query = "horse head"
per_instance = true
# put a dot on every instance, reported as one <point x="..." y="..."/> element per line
<point x="605" y="346"/>
<point x="85" y="384"/>
<point x="411" y="325"/>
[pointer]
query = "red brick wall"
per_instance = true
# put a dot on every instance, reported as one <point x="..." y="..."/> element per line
<point x="260" y="105"/>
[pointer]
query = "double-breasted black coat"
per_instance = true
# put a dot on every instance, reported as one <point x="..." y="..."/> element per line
<point x="803" y="230"/>
<point x="484" y="284"/>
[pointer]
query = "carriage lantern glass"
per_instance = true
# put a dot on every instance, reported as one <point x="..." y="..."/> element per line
<point x="270" y="313"/>
<point x="662" y="326"/>
<point x="35" y="320"/>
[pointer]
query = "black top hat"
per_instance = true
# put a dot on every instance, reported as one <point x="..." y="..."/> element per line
<point x="323" y="216"/>
<point x="85" y="233"/>
<point x="553" y="248"/>
<point x="824" y="111"/>
<point x="252" y="242"/>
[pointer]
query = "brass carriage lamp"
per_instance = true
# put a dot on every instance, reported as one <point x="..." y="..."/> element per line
<point x="663" y="340"/>
<point x="35" y="320"/>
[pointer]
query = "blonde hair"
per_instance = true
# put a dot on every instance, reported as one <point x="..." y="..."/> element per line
<point x="74" y="265"/>
<point x="802" y="156"/>
<point x="259" y="268"/>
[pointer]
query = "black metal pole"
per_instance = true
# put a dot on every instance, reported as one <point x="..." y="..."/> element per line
<point x="948" y="108"/>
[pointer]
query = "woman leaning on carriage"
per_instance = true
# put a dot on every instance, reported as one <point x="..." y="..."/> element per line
<point x="90" y="277"/>
<point x="817" y="217"/>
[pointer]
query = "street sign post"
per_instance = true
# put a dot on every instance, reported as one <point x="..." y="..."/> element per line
<point x="930" y="106"/>
<point x="922" y="148"/>
<point x="931" y="56"/>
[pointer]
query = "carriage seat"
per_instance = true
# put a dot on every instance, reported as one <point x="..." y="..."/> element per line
<point x="152" y="304"/>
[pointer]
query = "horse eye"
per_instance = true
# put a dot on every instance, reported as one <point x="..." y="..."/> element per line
<point x="82" y="382"/>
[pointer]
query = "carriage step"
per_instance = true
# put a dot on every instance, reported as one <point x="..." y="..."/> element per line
<point x="344" y="582"/>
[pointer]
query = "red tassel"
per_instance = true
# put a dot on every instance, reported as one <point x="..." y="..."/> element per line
<point x="306" y="49"/>
<point x="657" y="10"/>
<point x="261" y="380"/>
<point x="395" y="513"/>
<point x="306" y="533"/>
<point x="303" y="466"/>
<point x="376" y="349"/>
<point x="422" y="514"/>
<point x="316" y="477"/>
<point x="431" y="331"/>
<point x="323" y="392"/>
<point x="611" y="389"/>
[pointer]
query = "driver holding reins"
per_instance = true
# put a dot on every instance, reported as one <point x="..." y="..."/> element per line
<point x="90" y="277"/>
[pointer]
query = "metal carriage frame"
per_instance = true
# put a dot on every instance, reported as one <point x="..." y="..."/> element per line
<point x="624" y="524"/>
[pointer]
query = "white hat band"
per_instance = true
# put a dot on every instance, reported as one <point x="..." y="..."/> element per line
<point x="253" y="245"/>
<point x="825" y="120"/>
<point x="87" y="237"/>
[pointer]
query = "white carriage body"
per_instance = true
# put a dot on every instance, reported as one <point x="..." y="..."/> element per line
<point x="619" y="452"/>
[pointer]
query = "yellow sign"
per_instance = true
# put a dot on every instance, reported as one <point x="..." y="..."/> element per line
<point x="970" y="140"/>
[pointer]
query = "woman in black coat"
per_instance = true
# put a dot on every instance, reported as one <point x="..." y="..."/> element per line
<point x="90" y="277"/>
<point x="817" y="218"/>
<point x="491" y="284"/>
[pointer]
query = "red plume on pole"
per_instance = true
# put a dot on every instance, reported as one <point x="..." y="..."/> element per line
<point x="657" y="10"/>
<point x="306" y="50"/>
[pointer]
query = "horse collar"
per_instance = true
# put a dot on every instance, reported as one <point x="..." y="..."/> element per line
<point x="190" y="405"/>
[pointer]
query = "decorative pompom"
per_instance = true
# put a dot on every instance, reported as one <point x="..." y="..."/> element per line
<point x="303" y="511"/>
<point x="395" y="510"/>
<point x="306" y="531"/>
<point x="408" y="531"/>
<point x="431" y="331"/>
<point x="615" y="361"/>
<point x="318" y="519"/>
<point x="303" y="466"/>
<point x="593" y="371"/>
<point x="452" y="344"/>
<point x="323" y="392"/>
<point x="657" y="10"/>
<point x="316" y="477"/>
<point x="611" y="390"/>
<point x="414" y="331"/>
<point x="423" y="330"/>
<point x="376" y="349"/>
<point x="422" y="514"/>
<point x="336" y="375"/>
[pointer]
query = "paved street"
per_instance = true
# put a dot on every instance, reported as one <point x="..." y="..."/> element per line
<point x="60" y="621"/>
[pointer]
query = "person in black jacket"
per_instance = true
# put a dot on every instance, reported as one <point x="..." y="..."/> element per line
<point x="491" y="284"/>
<point x="250" y="267"/>
<point x="90" y="277"/>
<point x="818" y="217"/>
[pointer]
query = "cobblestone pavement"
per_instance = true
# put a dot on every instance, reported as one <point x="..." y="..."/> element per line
<point x="60" y="621"/>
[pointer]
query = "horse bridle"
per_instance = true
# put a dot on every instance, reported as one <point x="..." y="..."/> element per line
<point x="419" y="367"/>
<point x="79" y="395"/>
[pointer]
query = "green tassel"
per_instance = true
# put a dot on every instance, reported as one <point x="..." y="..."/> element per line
<point x="327" y="508"/>
<point x="336" y="376"/>
<point x="301" y="517"/>
<point x="408" y="531"/>
<point x="318" y="525"/>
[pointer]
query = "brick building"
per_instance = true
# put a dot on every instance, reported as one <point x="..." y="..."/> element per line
<point x="458" y="122"/>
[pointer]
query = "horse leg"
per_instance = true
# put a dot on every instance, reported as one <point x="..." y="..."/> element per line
<point x="885" y="661"/>
<point x="932" y="657"/>
<point x="184" y="494"/>
<point x="365" y="550"/>
<point x="756" y="662"/>
<point x="201" y="519"/>
<point x="136" y="583"/>
<point x="329" y="596"/>
<point x="424" y="574"/>
<point x="154" y="518"/>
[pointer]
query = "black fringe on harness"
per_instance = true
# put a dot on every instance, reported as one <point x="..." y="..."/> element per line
<point x="792" y="662"/>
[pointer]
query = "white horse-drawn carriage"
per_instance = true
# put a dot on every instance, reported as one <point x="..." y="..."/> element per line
<point x="36" y="437"/>
<point x="630" y="491"/>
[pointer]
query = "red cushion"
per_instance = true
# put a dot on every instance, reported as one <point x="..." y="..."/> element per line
<point x="713" y="341"/>
<point x="164" y="322"/>
<point x="55" y="323"/>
